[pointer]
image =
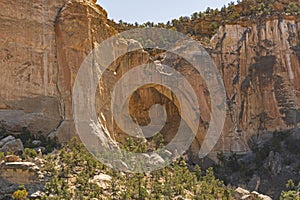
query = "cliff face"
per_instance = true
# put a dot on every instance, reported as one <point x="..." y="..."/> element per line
<point x="260" y="68"/>
<point x="259" y="63"/>
<point x="29" y="91"/>
<point x="42" y="46"/>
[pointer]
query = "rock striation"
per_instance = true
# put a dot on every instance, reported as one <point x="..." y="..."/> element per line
<point x="43" y="44"/>
<point x="19" y="172"/>
<point x="260" y="68"/>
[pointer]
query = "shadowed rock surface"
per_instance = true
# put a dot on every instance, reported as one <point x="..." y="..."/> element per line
<point x="42" y="46"/>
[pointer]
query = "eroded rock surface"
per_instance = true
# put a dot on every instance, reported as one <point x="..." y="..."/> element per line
<point x="260" y="68"/>
<point x="42" y="46"/>
<point x="11" y="144"/>
<point x="22" y="173"/>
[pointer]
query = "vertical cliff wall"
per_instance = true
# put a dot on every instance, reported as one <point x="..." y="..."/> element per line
<point x="42" y="45"/>
<point x="44" y="42"/>
<point x="260" y="68"/>
<point x="29" y="91"/>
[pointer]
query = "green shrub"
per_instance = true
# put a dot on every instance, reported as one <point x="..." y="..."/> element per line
<point x="214" y="26"/>
<point x="20" y="194"/>
<point x="2" y="156"/>
<point x="293" y="192"/>
<point x="176" y="179"/>
<point x="29" y="153"/>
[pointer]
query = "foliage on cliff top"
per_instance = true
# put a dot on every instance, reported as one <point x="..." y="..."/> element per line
<point x="206" y="23"/>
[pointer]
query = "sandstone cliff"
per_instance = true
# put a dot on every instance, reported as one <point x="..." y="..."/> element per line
<point x="42" y="45"/>
<point x="259" y="64"/>
<point x="260" y="68"/>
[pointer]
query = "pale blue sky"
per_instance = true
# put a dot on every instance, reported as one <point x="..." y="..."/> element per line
<point x="156" y="10"/>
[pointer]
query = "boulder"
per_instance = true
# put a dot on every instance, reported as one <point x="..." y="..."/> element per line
<point x="256" y="195"/>
<point x="156" y="159"/>
<point x="37" y="195"/>
<point x="243" y="194"/>
<point x="7" y="139"/>
<point x="22" y="173"/>
<point x="102" y="180"/>
<point x="36" y="142"/>
<point x="12" y="158"/>
<point x="13" y="146"/>
<point x="264" y="197"/>
<point x="241" y="191"/>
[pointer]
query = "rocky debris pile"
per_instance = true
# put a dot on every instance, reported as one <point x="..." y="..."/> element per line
<point x="22" y="173"/>
<point x="102" y="180"/>
<point x="14" y="172"/>
<point x="37" y="195"/>
<point x="274" y="163"/>
<point x="12" y="158"/>
<point x="11" y="144"/>
<point x="241" y="193"/>
<point x="274" y="160"/>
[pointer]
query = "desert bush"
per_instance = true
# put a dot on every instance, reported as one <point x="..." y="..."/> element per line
<point x="20" y="194"/>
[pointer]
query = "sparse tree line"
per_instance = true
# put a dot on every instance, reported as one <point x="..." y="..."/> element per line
<point x="206" y="22"/>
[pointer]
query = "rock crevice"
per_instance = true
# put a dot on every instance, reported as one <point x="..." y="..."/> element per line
<point x="42" y="46"/>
